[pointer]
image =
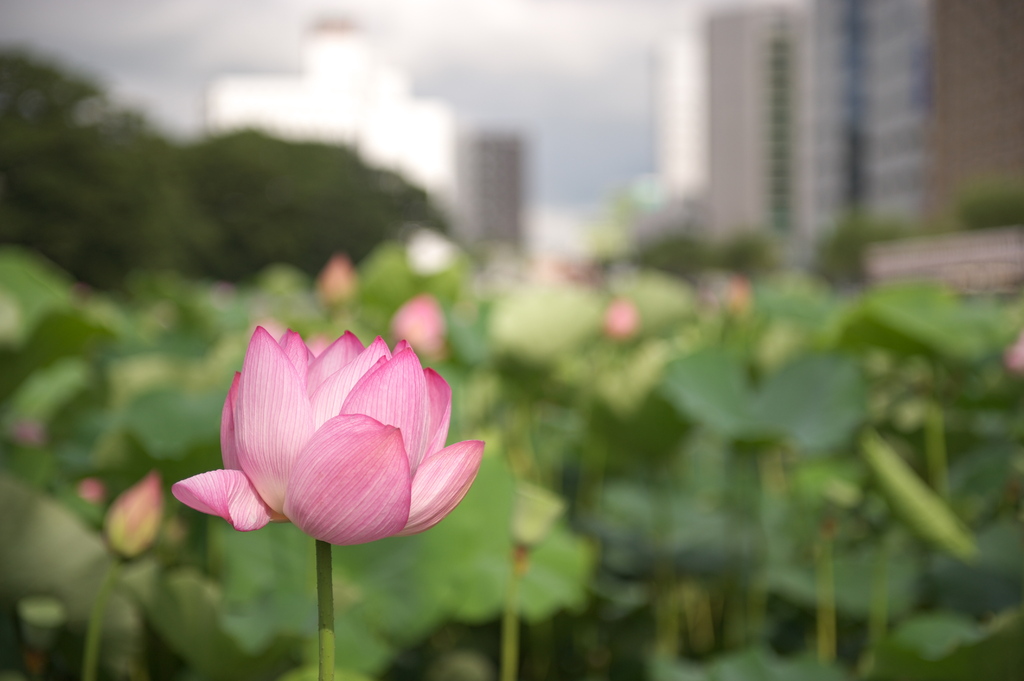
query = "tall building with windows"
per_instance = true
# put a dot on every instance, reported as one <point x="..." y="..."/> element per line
<point x="491" y="184"/>
<point x="978" y="123"/>
<point x="754" y="61"/>
<point x="346" y="95"/>
<point x="868" y="110"/>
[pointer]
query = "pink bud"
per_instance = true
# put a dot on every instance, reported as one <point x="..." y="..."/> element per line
<point x="1013" y="358"/>
<point x="739" y="296"/>
<point x="29" y="432"/>
<point x="420" y="322"/>
<point x="621" y="319"/>
<point x="133" y="520"/>
<point x="92" y="490"/>
<point x="338" y="280"/>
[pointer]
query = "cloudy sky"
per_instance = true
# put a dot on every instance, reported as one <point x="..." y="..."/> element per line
<point x="574" y="75"/>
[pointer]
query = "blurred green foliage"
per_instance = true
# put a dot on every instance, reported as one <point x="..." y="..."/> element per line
<point x="992" y="202"/>
<point x="772" y="482"/>
<point x="103" y="194"/>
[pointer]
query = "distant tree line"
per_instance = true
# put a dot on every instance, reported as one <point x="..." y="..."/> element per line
<point x="100" y="192"/>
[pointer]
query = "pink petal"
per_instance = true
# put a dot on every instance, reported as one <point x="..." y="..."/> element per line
<point x="402" y="345"/>
<point x="351" y="484"/>
<point x="299" y="355"/>
<point x="439" y="411"/>
<point x="332" y="359"/>
<point x="440" y="484"/>
<point x="228" y="451"/>
<point x="331" y="394"/>
<point x="273" y="417"/>
<point x="227" y="493"/>
<point x="395" y="393"/>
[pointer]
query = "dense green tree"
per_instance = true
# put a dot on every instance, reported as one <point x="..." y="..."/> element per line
<point x="276" y="201"/>
<point x="86" y="184"/>
<point x="688" y="256"/>
<point x="841" y="254"/>
<point x="992" y="202"/>
<point x="99" y="192"/>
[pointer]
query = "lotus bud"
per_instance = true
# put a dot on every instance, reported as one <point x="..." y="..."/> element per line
<point x="621" y="319"/>
<point x="338" y="281"/>
<point x="1013" y="358"/>
<point x="534" y="513"/>
<point x="134" y="518"/>
<point x="738" y="295"/>
<point x="420" y="322"/>
<point x="92" y="490"/>
<point x="29" y="433"/>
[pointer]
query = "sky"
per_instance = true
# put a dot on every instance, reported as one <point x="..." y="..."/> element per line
<point x="574" y="76"/>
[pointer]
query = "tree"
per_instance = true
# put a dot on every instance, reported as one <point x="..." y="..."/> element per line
<point x="841" y="253"/>
<point x="992" y="202"/>
<point x="276" y="201"/>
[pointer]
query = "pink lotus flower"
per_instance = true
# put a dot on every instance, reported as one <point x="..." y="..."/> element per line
<point x="133" y="520"/>
<point x="420" y="321"/>
<point x="621" y="319"/>
<point x="349" y="444"/>
<point x="92" y="490"/>
<point x="337" y="281"/>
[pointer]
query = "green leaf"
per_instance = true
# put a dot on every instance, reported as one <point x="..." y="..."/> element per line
<point x="541" y="325"/>
<point x="267" y="583"/>
<point x="921" y="509"/>
<point x="58" y="335"/>
<point x="757" y="664"/>
<point x="185" y="609"/>
<point x="168" y="422"/>
<point x="34" y="286"/>
<point x="48" y="551"/>
<point x="949" y="647"/>
<point x="817" y="400"/>
<point x="710" y="386"/>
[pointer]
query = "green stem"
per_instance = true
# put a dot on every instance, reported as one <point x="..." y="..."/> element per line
<point x="878" y="620"/>
<point x="94" y="634"/>
<point x="325" y="609"/>
<point x="826" y="602"/>
<point x="510" y="620"/>
<point x="935" y="448"/>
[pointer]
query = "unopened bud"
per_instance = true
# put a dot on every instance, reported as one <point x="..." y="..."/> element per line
<point x="134" y="518"/>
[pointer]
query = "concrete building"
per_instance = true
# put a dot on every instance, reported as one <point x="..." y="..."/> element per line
<point x="868" y="109"/>
<point x="346" y="95"/>
<point x="680" y="111"/>
<point x="754" y="120"/>
<point x="491" y="185"/>
<point x="978" y="97"/>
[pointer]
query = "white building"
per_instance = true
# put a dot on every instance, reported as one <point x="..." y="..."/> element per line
<point x="756" y="121"/>
<point x="346" y="95"/>
<point x="680" y="109"/>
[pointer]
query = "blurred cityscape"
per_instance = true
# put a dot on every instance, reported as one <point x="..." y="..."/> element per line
<point x="783" y="135"/>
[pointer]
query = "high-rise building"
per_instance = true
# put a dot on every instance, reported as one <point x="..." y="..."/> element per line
<point x="680" y="110"/>
<point x="346" y="95"/>
<point x="491" y="167"/>
<point x="868" y="109"/>
<point x="754" y="120"/>
<point x="978" y="96"/>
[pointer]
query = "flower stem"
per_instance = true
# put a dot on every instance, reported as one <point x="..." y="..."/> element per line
<point x="94" y="634"/>
<point x="510" y="621"/>
<point x="325" y="609"/>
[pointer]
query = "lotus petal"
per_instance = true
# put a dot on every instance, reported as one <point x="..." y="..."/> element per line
<point x="441" y="483"/>
<point x="227" y="493"/>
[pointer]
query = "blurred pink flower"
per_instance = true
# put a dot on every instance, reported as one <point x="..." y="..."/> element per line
<point x="92" y="490"/>
<point x="338" y="280"/>
<point x="349" y="444"/>
<point x="621" y="319"/>
<point x="133" y="520"/>
<point x="420" y="321"/>
<point x="29" y="432"/>
<point x="1013" y="358"/>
